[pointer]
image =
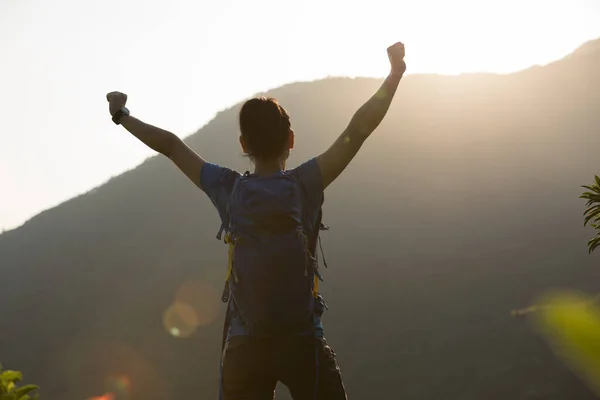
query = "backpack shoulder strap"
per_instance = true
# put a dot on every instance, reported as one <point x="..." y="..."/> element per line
<point x="225" y="225"/>
<point x="315" y="237"/>
<point x="227" y="216"/>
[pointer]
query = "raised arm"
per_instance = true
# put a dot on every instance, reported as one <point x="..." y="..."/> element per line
<point x="368" y="117"/>
<point x="157" y="139"/>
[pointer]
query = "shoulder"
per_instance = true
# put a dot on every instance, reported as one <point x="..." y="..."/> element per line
<point x="217" y="182"/>
<point x="213" y="175"/>
<point x="310" y="176"/>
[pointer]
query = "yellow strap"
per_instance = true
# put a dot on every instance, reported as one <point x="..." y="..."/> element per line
<point x="231" y="243"/>
<point x="230" y="255"/>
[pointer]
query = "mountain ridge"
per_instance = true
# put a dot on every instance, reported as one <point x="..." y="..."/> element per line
<point x="589" y="47"/>
<point x="461" y="207"/>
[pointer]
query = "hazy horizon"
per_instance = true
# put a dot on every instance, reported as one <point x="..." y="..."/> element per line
<point x="462" y="207"/>
<point x="183" y="62"/>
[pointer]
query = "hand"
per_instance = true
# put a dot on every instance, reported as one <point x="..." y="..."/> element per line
<point x="396" y="56"/>
<point x="116" y="100"/>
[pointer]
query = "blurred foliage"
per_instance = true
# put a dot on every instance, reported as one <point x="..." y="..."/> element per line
<point x="570" y="323"/>
<point x="10" y="390"/>
<point x="592" y="212"/>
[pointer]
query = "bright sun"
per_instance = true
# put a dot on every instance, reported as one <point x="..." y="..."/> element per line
<point x="473" y="36"/>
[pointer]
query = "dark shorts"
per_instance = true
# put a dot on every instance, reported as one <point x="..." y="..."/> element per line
<point x="307" y="366"/>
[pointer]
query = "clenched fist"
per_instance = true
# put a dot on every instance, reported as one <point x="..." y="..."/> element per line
<point x="396" y="56"/>
<point x="116" y="100"/>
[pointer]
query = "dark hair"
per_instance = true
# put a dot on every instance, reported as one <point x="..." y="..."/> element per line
<point x="265" y="127"/>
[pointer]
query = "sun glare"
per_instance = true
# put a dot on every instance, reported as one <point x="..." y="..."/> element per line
<point x="467" y="36"/>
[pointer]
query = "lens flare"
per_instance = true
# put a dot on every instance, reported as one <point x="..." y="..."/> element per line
<point x="119" y="386"/>
<point x="196" y="304"/>
<point x="109" y="369"/>
<point x="204" y="300"/>
<point x="107" y="396"/>
<point x="180" y="320"/>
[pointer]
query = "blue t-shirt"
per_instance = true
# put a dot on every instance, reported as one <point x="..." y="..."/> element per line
<point x="217" y="182"/>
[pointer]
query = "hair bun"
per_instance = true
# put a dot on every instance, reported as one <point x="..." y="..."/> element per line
<point x="265" y="127"/>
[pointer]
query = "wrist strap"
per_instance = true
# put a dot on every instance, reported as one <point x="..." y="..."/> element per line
<point x="119" y="114"/>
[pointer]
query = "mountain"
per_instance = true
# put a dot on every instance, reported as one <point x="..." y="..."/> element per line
<point x="462" y="206"/>
<point x="589" y="48"/>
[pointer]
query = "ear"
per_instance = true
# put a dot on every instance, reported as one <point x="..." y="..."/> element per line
<point x="291" y="140"/>
<point x="243" y="144"/>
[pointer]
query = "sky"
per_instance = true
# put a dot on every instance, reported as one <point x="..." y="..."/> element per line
<point x="181" y="62"/>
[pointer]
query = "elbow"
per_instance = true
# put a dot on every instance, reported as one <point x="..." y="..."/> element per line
<point x="170" y="144"/>
<point x="362" y="126"/>
<point x="359" y="131"/>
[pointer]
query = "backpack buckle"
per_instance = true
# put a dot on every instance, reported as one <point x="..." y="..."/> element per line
<point x="226" y="293"/>
<point x="220" y="233"/>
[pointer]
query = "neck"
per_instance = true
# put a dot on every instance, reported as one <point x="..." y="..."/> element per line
<point x="264" y="168"/>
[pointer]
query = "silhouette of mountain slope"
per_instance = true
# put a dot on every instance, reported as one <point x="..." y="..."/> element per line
<point x="462" y="206"/>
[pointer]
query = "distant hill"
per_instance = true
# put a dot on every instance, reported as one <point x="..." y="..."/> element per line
<point x="587" y="49"/>
<point x="462" y="206"/>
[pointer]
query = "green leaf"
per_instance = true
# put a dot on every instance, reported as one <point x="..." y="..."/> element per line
<point x="597" y="180"/>
<point x="594" y="188"/>
<point x="594" y="207"/>
<point x="590" y="216"/>
<point x="591" y="210"/>
<point x="11" y="376"/>
<point x="593" y="244"/>
<point x="23" y="390"/>
<point x="590" y="198"/>
<point x="594" y="240"/>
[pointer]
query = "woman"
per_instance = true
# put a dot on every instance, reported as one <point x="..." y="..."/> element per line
<point x="303" y="361"/>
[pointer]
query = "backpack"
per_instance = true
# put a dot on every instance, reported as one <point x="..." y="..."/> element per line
<point x="272" y="278"/>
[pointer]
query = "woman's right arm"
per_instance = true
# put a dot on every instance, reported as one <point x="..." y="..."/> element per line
<point x="159" y="140"/>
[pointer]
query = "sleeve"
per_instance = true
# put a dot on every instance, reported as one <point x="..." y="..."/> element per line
<point x="217" y="182"/>
<point x="310" y="175"/>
